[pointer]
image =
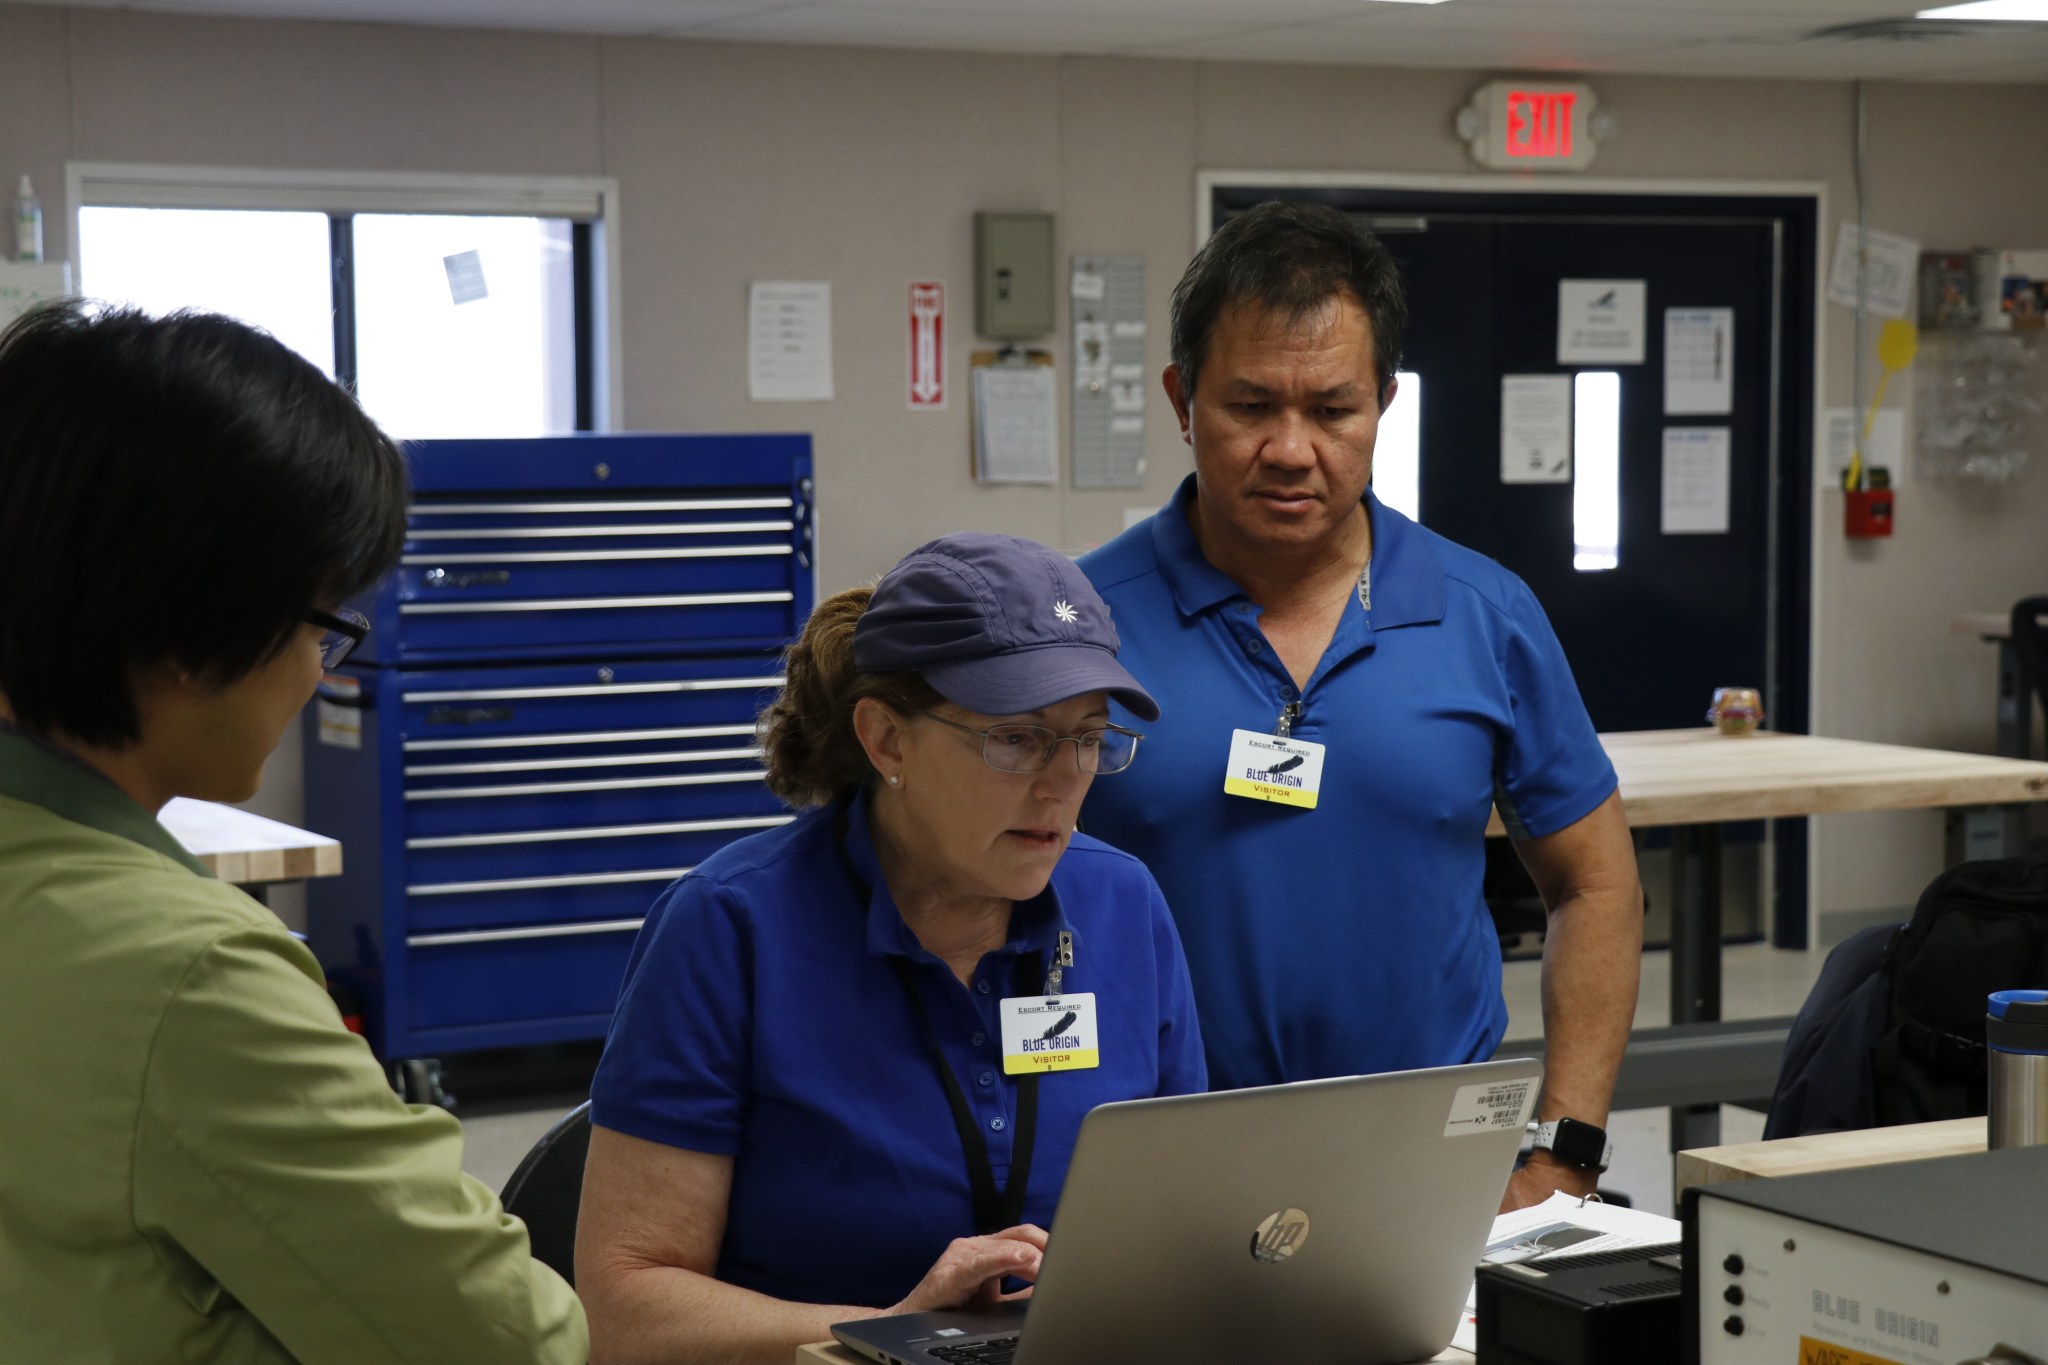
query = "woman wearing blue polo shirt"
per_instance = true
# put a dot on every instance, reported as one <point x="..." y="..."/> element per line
<point x="852" y="1054"/>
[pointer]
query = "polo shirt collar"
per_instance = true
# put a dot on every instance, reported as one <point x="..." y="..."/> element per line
<point x="71" y="789"/>
<point x="1408" y="583"/>
<point x="1034" y="924"/>
<point x="1407" y="576"/>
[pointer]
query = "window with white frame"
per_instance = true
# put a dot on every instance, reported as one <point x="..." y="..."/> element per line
<point x="451" y="308"/>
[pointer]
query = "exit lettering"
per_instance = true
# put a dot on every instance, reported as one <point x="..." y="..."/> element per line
<point x="1540" y="124"/>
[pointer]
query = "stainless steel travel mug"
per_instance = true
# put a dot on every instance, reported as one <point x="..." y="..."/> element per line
<point x="2016" y="1032"/>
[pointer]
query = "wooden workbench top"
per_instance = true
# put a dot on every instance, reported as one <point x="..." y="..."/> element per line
<point x="1700" y="776"/>
<point x="1827" y="1152"/>
<point x="245" y="849"/>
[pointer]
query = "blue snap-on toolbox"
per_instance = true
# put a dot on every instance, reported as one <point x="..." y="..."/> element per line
<point x="552" y="718"/>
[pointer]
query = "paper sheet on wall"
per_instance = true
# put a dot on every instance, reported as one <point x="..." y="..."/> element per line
<point x="1016" y="437"/>
<point x="1699" y="361"/>
<point x="1564" y="1224"/>
<point x="1535" y="428"/>
<point x="1600" y="322"/>
<point x="789" y="341"/>
<point x="1884" y="449"/>
<point x="1695" y="481"/>
<point x="1891" y="273"/>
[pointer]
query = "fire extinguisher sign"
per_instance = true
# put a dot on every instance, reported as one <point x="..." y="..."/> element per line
<point x="927" y="340"/>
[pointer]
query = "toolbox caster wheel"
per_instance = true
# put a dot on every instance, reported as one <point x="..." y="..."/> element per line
<point x="418" y="1081"/>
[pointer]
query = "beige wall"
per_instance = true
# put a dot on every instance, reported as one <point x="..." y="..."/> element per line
<point x="863" y="167"/>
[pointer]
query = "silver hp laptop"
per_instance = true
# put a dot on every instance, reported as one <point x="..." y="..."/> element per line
<point x="1325" y="1221"/>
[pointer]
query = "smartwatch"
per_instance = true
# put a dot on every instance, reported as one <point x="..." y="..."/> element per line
<point x="1575" y="1144"/>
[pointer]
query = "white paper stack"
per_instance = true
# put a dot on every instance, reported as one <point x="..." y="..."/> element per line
<point x="1016" y="432"/>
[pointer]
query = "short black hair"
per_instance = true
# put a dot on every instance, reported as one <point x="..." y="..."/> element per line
<point x="174" y="490"/>
<point x="1291" y="260"/>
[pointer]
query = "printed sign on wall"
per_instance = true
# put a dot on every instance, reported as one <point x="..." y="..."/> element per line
<point x="927" y="340"/>
<point x="1600" y="322"/>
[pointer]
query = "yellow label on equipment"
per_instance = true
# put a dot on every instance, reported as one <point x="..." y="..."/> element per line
<point x="1812" y="1352"/>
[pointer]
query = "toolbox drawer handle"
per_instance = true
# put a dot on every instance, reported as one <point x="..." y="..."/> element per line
<point x="666" y="528"/>
<point x="627" y="784"/>
<point x="588" y="737"/>
<point x="552" y="836"/>
<point x="543" y="765"/>
<point x="608" y="926"/>
<point x="701" y="599"/>
<point x="504" y="884"/>
<point x="513" y="509"/>
<point x="595" y="690"/>
<point x="577" y="557"/>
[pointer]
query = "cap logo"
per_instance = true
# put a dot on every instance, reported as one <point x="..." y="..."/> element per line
<point x="1065" y="612"/>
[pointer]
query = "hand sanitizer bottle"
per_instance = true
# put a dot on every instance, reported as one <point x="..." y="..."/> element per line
<point x="28" y="224"/>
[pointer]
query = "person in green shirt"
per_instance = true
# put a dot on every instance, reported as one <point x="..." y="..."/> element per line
<point x="197" y="1161"/>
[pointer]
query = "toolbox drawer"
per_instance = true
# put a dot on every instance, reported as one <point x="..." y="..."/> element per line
<point x="552" y="718"/>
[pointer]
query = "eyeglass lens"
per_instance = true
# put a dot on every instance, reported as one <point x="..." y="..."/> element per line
<point x="1030" y="748"/>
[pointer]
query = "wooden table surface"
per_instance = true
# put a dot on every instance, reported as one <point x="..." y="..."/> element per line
<point x="1828" y="1152"/>
<point x="1701" y="776"/>
<point x="832" y="1353"/>
<point x="246" y="849"/>
<point x="1985" y="625"/>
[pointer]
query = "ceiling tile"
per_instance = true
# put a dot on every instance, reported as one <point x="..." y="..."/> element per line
<point x="983" y="32"/>
<point x="1676" y="37"/>
<point x="576" y="16"/>
<point x="1166" y="15"/>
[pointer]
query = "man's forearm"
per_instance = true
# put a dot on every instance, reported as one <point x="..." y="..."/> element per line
<point x="1592" y="958"/>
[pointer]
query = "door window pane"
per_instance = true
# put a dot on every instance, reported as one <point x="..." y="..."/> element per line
<point x="1397" y="455"/>
<point x="465" y="326"/>
<point x="1596" y="470"/>
<point x="270" y="269"/>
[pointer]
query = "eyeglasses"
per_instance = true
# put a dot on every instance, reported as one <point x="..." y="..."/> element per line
<point x="345" y="630"/>
<point x="1029" y="748"/>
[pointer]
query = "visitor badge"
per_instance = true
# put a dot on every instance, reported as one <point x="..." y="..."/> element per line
<point x="1049" y="1033"/>
<point x="1270" y="768"/>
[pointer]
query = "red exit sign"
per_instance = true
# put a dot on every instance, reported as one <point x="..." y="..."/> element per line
<point x="1540" y="124"/>
<point x="1532" y="125"/>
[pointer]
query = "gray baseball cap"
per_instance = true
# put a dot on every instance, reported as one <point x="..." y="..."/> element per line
<point x="998" y="624"/>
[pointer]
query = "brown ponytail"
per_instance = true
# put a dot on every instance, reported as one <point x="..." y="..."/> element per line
<point x="807" y="740"/>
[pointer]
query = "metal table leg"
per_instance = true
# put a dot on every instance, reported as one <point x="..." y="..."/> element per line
<point x="1695" y="959"/>
<point x="2015" y="707"/>
<point x="1999" y="831"/>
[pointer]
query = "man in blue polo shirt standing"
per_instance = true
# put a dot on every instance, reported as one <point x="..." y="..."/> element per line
<point x="1346" y="697"/>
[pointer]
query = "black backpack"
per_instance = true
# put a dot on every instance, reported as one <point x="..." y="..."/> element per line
<point x="1894" y="1029"/>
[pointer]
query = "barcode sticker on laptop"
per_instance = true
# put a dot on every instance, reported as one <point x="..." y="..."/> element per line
<point x="1491" y="1106"/>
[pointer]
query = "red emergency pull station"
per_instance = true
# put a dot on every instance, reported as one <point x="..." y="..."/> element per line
<point x="1868" y="511"/>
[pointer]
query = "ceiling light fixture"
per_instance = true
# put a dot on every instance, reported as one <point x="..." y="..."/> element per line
<point x="1993" y="11"/>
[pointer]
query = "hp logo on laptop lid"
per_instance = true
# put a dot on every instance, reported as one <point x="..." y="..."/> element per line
<point x="1279" y="1235"/>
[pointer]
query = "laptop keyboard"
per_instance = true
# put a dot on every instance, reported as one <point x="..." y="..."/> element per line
<point x="995" y="1351"/>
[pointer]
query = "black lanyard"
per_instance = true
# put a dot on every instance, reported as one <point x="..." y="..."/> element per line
<point x="993" y="1210"/>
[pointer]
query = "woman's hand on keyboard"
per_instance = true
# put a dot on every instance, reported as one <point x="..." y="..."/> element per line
<point x="971" y="1271"/>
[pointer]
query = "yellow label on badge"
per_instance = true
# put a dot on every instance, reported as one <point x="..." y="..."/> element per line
<point x="1812" y="1352"/>
<point x="1272" y="768"/>
<point x="1079" y="1059"/>
<point x="1044" y="1033"/>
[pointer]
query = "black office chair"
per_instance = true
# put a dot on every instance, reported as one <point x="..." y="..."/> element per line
<point x="547" y="1188"/>
<point x="2030" y="649"/>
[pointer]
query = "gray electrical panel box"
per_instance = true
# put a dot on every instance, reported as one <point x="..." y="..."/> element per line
<point x="1013" y="275"/>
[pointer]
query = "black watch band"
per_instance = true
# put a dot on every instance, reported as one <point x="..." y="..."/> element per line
<point x="1575" y="1144"/>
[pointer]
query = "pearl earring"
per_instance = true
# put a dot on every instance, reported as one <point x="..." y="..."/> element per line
<point x="894" y="780"/>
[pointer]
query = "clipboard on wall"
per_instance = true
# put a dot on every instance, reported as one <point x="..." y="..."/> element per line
<point x="1015" y="407"/>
